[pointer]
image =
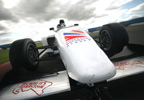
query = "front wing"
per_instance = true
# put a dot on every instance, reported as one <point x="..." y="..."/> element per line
<point x="52" y="84"/>
<point x="58" y="83"/>
<point x="128" y="67"/>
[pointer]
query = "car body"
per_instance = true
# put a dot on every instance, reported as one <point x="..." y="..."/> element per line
<point x="81" y="56"/>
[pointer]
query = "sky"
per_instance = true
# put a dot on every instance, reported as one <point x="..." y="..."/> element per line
<point x="33" y="18"/>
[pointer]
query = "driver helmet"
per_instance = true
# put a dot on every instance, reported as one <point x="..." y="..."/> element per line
<point x="62" y="23"/>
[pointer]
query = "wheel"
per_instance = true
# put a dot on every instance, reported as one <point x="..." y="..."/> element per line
<point x="23" y="53"/>
<point x="113" y="37"/>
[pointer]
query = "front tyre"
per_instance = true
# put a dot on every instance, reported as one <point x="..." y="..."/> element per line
<point x="23" y="53"/>
<point x="113" y="37"/>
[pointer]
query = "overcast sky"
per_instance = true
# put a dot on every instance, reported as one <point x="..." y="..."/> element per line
<point x="33" y="18"/>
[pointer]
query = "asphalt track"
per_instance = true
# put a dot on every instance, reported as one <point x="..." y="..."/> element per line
<point x="129" y="88"/>
<point x="136" y="34"/>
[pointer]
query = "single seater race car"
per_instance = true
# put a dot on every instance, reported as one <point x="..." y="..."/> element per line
<point x="85" y="58"/>
<point x="70" y="42"/>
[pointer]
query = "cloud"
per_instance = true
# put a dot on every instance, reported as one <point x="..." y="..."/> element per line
<point x="3" y="30"/>
<point x="138" y="9"/>
<point x="116" y="4"/>
<point x="135" y="12"/>
<point x="130" y="17"/>
<point x="46" y="10"/>
<point x="80" y="11"/>
<point x="74" y="10"/>
<point x="2" y="27"/>
<point x="38" y="10"/>
<point x="5" y="14"/>
<point x="6" y="40"/>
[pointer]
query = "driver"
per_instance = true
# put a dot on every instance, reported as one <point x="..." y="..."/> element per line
<point x="61" y="24"/>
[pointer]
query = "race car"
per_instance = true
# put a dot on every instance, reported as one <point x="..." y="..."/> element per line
<point x="112" y="39"/>
<point x="80" y="54"/>
<point x="85" y="58"/>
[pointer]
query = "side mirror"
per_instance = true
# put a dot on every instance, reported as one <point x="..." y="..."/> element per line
<point x="51" y="28"/>
<point x="76" y="24"/>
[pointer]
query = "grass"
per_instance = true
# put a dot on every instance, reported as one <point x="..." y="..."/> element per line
<point x="39" y="44"/>
<point x="4" y="54"/>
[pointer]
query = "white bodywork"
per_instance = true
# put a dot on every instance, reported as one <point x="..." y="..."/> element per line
<point x="82" y="57"/>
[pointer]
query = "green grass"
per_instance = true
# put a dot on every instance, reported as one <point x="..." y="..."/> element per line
<point x="39" y="44"/>
<point x="4" y="56"/>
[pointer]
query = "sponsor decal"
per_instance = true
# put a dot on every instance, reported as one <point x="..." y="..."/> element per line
<point x="37" y="86"/>
<point x="75" y="36"/>
<point x="128" y="64"/>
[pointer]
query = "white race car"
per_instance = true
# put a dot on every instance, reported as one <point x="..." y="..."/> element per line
<point x="84" y="57"/>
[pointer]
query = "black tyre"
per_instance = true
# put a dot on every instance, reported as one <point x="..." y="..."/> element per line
<point x="113" y="37"/>
<point x="23" y="53"/>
